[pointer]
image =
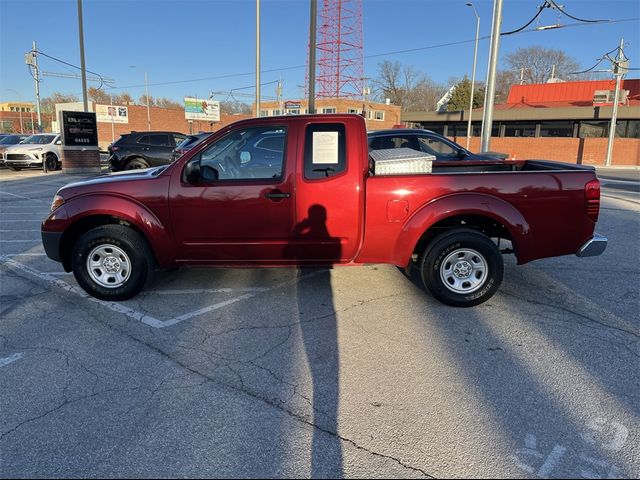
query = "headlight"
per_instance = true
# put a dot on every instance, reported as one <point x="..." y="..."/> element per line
<point x="57" y="201"/>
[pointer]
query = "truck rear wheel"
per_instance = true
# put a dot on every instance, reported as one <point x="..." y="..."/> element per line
<point x="462" y="268"/>
<point x="112" y="262"/>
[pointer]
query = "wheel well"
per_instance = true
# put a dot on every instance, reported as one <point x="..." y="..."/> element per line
<point x="490" y="227"/>
<point x="79" y="228"/>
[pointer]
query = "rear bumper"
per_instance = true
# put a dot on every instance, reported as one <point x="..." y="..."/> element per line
<point x="595" y="246"/>
<point x="51" y="242"/>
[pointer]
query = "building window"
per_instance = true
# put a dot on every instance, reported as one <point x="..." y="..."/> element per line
<point x="12" y="109"/>
<point x="556" y="129"/>
<point x="293" y="111"/>
<point x="264" y="113"/>
<point x="378" y="115"/>
<point x="329" y="110"/>
<point x="276" y="112"/>
<point x="515" y="129"/>
<point x="589" y="129"/>
<point x="353" y="110"/>
<point x="633" y="128"/>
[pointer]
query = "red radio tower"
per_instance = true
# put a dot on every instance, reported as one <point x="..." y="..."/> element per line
<point x="340" y="49"/>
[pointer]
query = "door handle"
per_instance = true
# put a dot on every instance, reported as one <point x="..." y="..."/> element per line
<point x="277" y="195"/>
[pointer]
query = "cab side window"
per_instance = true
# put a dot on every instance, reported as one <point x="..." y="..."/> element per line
<point x="324" y="150"/>
<point x="238" y="156"/>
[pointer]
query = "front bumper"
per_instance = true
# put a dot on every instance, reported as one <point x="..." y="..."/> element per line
<point x="51" y="242"/>
<point x="594" y="246"/>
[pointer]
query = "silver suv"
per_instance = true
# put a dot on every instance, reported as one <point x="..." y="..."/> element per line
<point x="33" y="150"/>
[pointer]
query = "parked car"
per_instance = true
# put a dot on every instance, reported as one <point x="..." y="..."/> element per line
<point x="425" y="141"/>
<point x="217" y="205"/>
<point x="143" y="150"/>
<point x="33" y="150"/>
<point x="8" y="140"/>
<point x="188" y="143"/>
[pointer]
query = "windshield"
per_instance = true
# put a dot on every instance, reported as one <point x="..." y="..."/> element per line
<point x="39" y="139"/>
<point x="11" y="139"/>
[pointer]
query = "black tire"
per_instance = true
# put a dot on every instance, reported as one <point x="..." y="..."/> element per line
<point x="135" y="164"/>
<point x="16" y="169"/>
<point x="474" y="277"/>
<point x="52" y="162"/>
<point x="120" y="240"/>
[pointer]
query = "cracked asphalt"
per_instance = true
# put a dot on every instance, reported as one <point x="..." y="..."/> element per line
<point x="351" y="372"/>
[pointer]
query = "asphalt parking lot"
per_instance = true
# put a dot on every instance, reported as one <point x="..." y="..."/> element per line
<point x="352" y="372"/>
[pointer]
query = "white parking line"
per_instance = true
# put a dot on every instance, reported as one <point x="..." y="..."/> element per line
<point x="25" y="254"/>
<point x="205" y="290"/>
<point x="134" y="314"/>
<point x="10" y="359"/>
<point x="20" y="241"/>
<point x="25" y="198"/>
<point x="13" y="221"/>
<point x="116" y="307"/>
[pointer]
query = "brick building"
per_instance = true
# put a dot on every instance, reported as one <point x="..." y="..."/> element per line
<point x="134" y="118"/>
<point x="379" y="116"/>
<point x="565" y="121"/>
<point x="18" y="117"/>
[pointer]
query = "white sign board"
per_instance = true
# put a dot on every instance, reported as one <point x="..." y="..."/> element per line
<point x="112" y="113"/>
<point x="325" y="148"/>
<point x="201" y="109"/>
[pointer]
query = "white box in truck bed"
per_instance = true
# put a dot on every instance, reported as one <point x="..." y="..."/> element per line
<point x="400" y="161"/>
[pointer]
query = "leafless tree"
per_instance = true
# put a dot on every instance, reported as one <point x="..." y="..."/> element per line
<point x="537" y="63"/>
<point x="406" y="86"/>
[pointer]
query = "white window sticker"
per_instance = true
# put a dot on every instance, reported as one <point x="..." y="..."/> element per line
<point x="325" y="148"/>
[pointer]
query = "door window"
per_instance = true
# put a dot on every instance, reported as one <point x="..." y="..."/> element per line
<point x="159" y="140"/>
<point x="237" y="157"/>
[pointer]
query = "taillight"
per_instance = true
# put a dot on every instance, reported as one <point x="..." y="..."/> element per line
<point x="592" y="199"/>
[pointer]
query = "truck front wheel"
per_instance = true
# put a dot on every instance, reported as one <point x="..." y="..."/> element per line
<point x="462" y="268"/>
<point x="112" y="262"/>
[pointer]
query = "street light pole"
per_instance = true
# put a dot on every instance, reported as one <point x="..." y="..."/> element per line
<point x="473" y="74"/>
<point x="146" y="92"/>
<point x="82" y="65"/>
<point x="312" y="55"/>
<point x="257" y="58"/>
<point x="490" y="92"/>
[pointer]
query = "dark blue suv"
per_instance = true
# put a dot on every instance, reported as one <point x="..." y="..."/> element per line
<point x="425" y="141"/>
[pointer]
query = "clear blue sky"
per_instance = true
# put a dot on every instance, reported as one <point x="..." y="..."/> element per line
<point x="183" y="40"/>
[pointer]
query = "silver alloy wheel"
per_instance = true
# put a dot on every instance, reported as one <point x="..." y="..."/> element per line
<point x="464" y="271"/>
<point x="108" y="266"/>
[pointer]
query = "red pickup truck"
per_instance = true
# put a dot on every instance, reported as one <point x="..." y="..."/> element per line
<point x="302" y="191"/>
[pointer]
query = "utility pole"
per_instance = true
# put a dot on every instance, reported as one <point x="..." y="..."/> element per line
<point x="36" y="77"/>
<point x="473" y="74"/>
<point x="257" y="58"/>
<point x="490" y="94"/>
<point x="82" y="65"/>
<point x="312" y="55"/>
<point x="620" y="67"/>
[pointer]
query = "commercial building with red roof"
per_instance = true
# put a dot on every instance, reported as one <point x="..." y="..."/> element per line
<point x="566" y="121"/>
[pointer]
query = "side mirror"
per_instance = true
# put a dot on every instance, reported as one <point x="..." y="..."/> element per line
<point x="59" y="142"/>
<point x="245" y="157"/>
<point x="192" y="171"/>
<point x="462" y="154"/>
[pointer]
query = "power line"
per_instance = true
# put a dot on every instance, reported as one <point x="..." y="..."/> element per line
<point x="561" y="9"/>
<point x="546" y="4"/>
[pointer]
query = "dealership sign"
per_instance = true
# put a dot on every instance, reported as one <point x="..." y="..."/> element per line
<point x="112" y="113"/>
<point x="292" y="105"/>
<point x="201" y="109"/>
<point x="79" y="129"/>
